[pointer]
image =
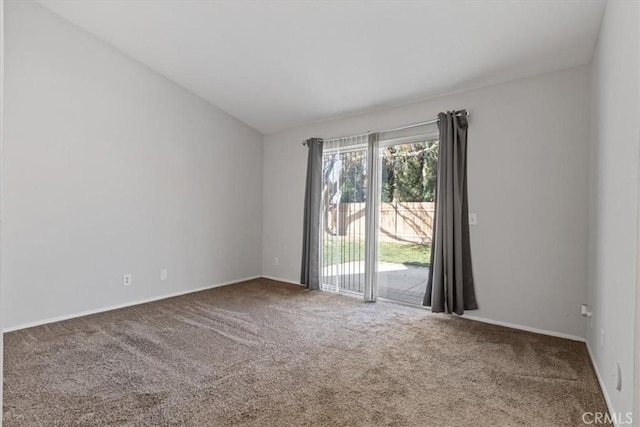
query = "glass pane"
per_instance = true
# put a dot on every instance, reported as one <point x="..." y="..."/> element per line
<point x="407" y="197"/>
<point x="343" y="217"/>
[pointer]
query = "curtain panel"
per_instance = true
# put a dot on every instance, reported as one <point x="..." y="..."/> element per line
<point x="310" y="270"/>
<point x="450" y="286"/>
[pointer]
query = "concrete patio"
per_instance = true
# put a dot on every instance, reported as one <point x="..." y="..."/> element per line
<point x="395" y="281"/>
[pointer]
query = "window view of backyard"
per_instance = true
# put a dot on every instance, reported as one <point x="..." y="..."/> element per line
<point x="416" y="255"/>
<point x="406" y="213"/>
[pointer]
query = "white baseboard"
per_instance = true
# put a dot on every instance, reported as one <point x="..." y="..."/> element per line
<point x="123" y="305"/>
<point x="601" y="382"/>
<point x="525" y="328"/>
<point x="279" y="279"/>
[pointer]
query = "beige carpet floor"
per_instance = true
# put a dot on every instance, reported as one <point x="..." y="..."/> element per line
<point x="264" y="353"/>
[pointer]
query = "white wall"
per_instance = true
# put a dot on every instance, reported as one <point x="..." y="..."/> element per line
<point x="528" y="169"/>
<point x="109" y="168"/>
<point x="614" y="199"/>
<point x="636" y="368"/>
<point x="1" y="144"/>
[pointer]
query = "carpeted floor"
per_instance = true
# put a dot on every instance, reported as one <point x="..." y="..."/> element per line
<point x="263" y="353"/>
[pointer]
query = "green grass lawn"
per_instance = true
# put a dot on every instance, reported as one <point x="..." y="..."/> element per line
<point x="338" y="250"/>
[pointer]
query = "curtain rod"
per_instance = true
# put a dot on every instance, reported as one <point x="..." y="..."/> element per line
<point x="413" y="125"/>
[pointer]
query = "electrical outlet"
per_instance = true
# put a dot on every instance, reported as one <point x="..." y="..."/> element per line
<point x="276" y="261"/>
<point x="163" y="274"/>
<point x="473" y="219"/>
<point x="584" y="310"/>
<point x="127" y="280"/>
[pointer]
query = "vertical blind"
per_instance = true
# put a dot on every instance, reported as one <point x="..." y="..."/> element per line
<point x="344" y="184"/>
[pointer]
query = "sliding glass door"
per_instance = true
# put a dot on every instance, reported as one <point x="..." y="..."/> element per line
<point x="384" y="252"/>
<point x="406" y="202"/>
<point x="343" y="216"/>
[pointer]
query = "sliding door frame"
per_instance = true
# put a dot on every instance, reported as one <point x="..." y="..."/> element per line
<point x="334" y="281"/>
<point x="372" y="208"/>
<point x="383" y="143"/>
<point x="374" y="196"/>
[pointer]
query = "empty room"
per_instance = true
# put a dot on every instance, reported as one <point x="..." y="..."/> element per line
<point x="320" y="213"/>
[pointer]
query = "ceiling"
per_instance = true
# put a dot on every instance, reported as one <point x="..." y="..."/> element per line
<point x="279" y="64"/>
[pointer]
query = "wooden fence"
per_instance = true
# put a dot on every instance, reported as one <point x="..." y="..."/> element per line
<point x="408" y="222"/>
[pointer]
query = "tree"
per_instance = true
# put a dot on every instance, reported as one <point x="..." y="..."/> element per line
<point x="409" y="172"/>
<point x="352" y="183"/>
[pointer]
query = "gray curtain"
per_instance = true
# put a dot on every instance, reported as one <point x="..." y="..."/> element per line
<point x="450" y="285"/>
<point x="310" y="272"/>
